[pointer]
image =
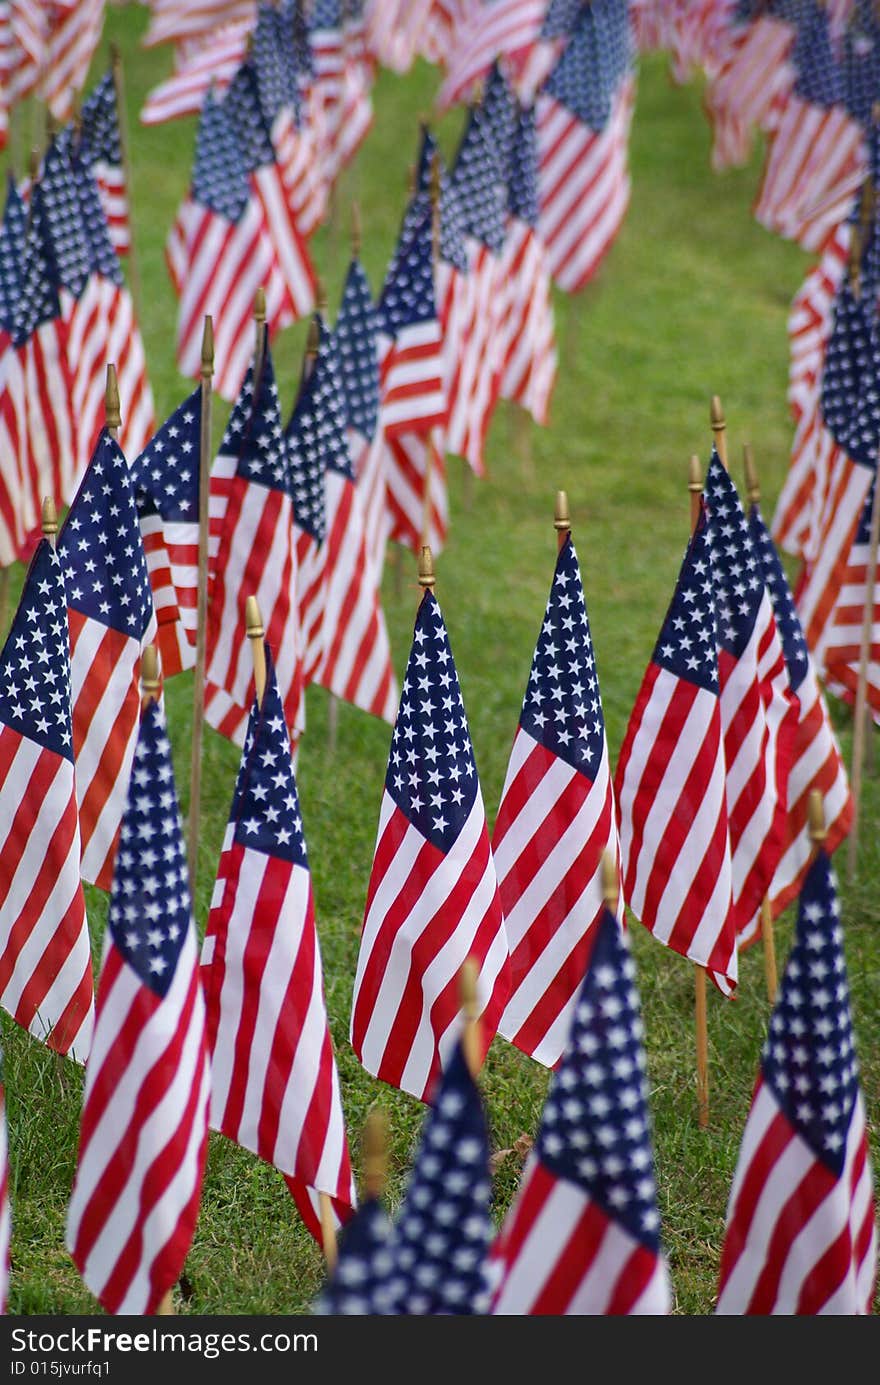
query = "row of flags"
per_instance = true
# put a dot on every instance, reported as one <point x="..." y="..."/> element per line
<point x="45" y="52"/>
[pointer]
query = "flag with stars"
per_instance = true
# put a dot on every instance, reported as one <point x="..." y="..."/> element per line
<point x="219" y="253"/>
<point x="555" y="820"/>
<point x="801" y="1236"/>
<point x="45" y="958"/>
<point x="110" y="614"/>
<point x="13" y="520"/>
<point x="843" y="644"/>
<point x="166" y="481"/>
<point x="355" y="1288"/>
<point x="274" y="1084"/>
<point x="583" y="113"/>
<point x="759" y="711"/>
<point x="144" y="1125"/>
<point x="252" y="553"/>
<point x="816" y="759"/>
<point x="433" y="896"/>
<point x="669" y="785"/>
<point x="101" y="151"/>
<point x="439" y="1249"/>
<point x="411" y="338"/>
<point x="583" y="1233"/>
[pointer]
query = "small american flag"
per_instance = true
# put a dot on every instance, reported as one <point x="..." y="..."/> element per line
<point x="14" y="485"/>
<point x="166" y="481"/>
<point x="843" y="645"/>
<point x="110" y="615"/>
<point x="411" y="338"/>
<point x="274" y="1084"/>
<point x="252" y="553"/>
<point x="144" y="1126"/>
<point x="555" y="821"/>
<point x="670" y="789"/>
<point x="489" y="29"/>
<point x="800" y="1234"/>
<point x="751" y="88"/>
<point x="433" y="897"/>
<point x="101" y="152"/>
<point x="583" y="114"/>
<point x="45" y="960"/>
<point x="583" y="1234"/>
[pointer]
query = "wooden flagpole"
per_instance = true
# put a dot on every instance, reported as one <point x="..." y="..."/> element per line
<point x="122" y="121"/>
<point x="816" y="819"/>
<point x="112" y="411"/>
<point x="701" y="1022"/>
<point x="470" y="1007"/>
<point x="719" y="429"/>
<point x="260" y="326"/>
<point x="195" y="780"/>
<point x="862" y="713"/>
<point x="771" y="973"/>
<point x="561" y="519"/>
<point x="375" y="1151"/>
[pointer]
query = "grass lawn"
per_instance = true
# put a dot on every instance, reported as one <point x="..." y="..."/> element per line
<point x="692" y="301"/>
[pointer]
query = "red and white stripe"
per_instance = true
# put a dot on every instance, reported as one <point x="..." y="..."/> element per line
<point x="816" y="162"/>
<point x="553" y="825"/>
<point x="417" y="496"/>
<point x="413" y="394"/>
<point x="293" y="262"/>
<point x="840" y="501"/>
<point x="426" y="913"/>
<point x="394" y="30"/>
<point x="810" y="321"/>
<point x="563" y="1254"/>
<point x="48" y="445"/>
<point x="750" y="90"/>
<point x="110" y="179"/>
<point x="297" y="149"/>
<point x="71" y="47"/>
<point x="583" y="186"/>
<point x="800" y="1239"/>
<point x="503" y="29"/>
<point x="171" y="22"/>
<point x="843" y="645"/>
<point x="18" y="517"/>
<point x="370" y="460"/>
<point x="527" y="331"/>
<point x="173" y="582"/>
<point x="474" y="354"/>
<point x="214" y="63"/>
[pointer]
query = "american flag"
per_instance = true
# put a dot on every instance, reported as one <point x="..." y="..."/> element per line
<point x="110" y="615"/>
<point x="583" y="114"/>
<point x="166" y="481"/>
<point x="555" y="821"/>
<point x="751" y="87"/>
<point x="438" y="1251"/>
<point x="394" y="30"/>
<point x="433" y="897"/>
<point x="327" y="78"/>
<point x="212" y="62"/>
<point x="355" y="1287"/>
<point x="101" y="152"/>
<point x="800" y="1235"/>
<point x="411" y="339"/>
<point x="669" y="786"/>
<point x="356" y="118"/>
<point x="816" y="759"/>
<point x="171" y="22"/>
<point x="817" y="157"/>
<point x="557" y="26"/>
<point x="274" y="1084"/>
<point x="299" y="139"/>
<point x="583" y="1234"/>
<point x="759" y="714"/>
<point x="252" y="553"/>
<point x="489" y="29"/>
<point x="73" y="37"/>
<point x="45" y="961"/>
<point x="528" y="367"/>
<point x="219" y="253"/>
<point x="144" y="1125"/>
<point x="5" y="1210"/>
<point x="14" y="483"/>
<point x="843" y="645"/>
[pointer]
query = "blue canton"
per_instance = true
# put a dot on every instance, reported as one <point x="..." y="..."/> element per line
<point x="589" y="69"/>
<point x="861" y="70"/>
<point x="316" y="440"/>
<point x="499" y="110"/>
<point x="809" y="1058"/>
<point x="265" y="807"/>
<point x="273" y="66"/>
<point x="562" y="709"/>
<point x="739" y="572"/>
<point x="819" y="78"/>
<point x="595" y="1129"/>
<point x="242" y="104"/>
<point x="254" y="435"/>
<point x="478" y="179"/>
<point x="522" y="188"/>
<point x="560" y="18"/>
<point x="687" y="646"/>
<point x="13" y="230"/>
<point x="100" y="546"/>
<point x="63" y="219"/>
<point x="453" y="225"/>
<point x="38" y="301"/>
<point x="408" y="292"/>
<point x="100" y="125"/>
<point x="794" y="646"/>
<point x="363" y="1267"/>
<point x="166" y="474"/>
<point x="220" y="175"/>
<point x="35" y="660"/>
<point x="355" y="334"/>
<point x="444" y="1228"/>
<point x="103" y="259"/>
<point x="293" y="17"/>
<point x="324" y="15"/>
<point x="431" y="775"/>
<point x="150" y="908"/>
<point x="846" y="361"/>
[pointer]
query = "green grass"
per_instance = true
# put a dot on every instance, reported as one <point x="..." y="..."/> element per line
<point x="692" y="301"/>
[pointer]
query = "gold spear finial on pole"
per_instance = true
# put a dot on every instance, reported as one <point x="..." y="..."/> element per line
<point x="695" y="489"/>
<point x="470" y="1008"/>
<point x="561" y="517"/>
<point x="719" y="428"/>
<point x="112" y="411"/>
<point x="426" y="568"/>
<point x="610" y="881"/>
<point x="49" y="521"/>
<point x="816" y="818"/>
<point x="260" y="331"/>
<point x="150" y="685"/>
<point x="256" y="634"/>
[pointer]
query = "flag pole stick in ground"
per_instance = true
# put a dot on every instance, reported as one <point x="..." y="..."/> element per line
<point x="771" y="974"/>
<point x="861" y="712"/>
<point x="816" y="818"/>
<point x="195" y="780"/>
<point x="701" y="1023"/>
<point x="122" y="121"/>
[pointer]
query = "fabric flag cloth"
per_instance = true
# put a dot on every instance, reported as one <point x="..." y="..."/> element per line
<point x="583" y="117"/>
<point x="144" y="1126"/>
<point x="751" y="87"/>
<point x="759" y="713"/>
<point x="166" y="482"/>
<point x="433" y="897"/>
<point x="438" y="1251"/>
<point x="14" y="484"/>
<point x="800" y="1234"/>
<point x="816" y="759"/>
<point x="212" y="63"/>
<point x="669" y="786"/>
<point x="101" y="151"/>
<point x="355" y="1287"/>
<point x="274" y="1084"/>
<point x="487" y="31"/>
<point x="73" y="38"/>
<point x="219" y="253"/>
<point x="45" y="958"/>
<point x="843" y="644"/>
<point x="171" y="22"/>
<point x="583" y="1233"/>
<point x="110" y="615"/>
<point x="5" y="1210"/>
<point x="252" y="552"/>
<point x="555" y="821"/>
